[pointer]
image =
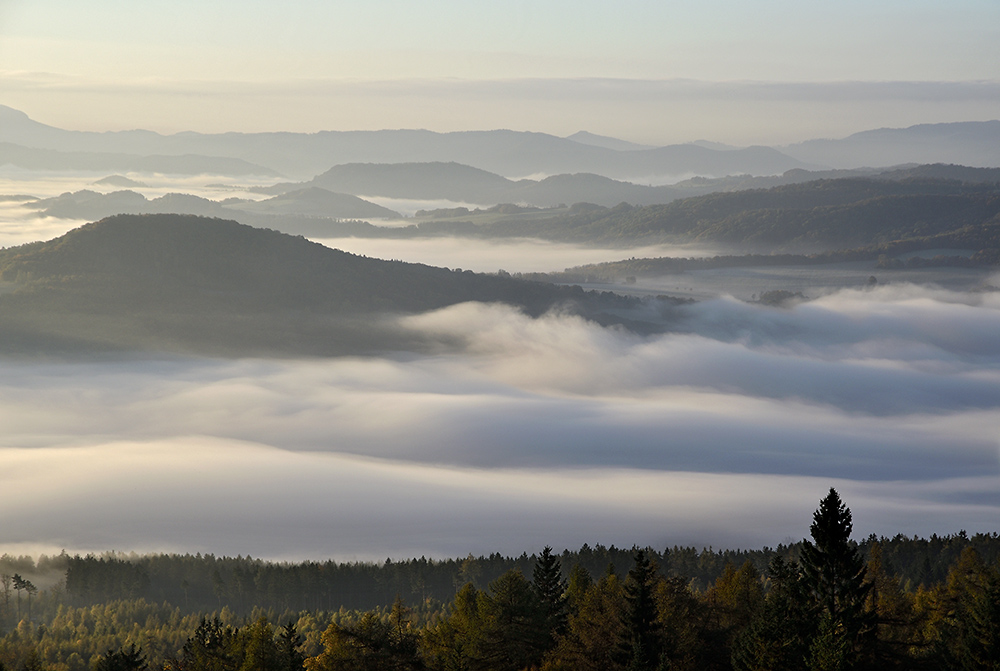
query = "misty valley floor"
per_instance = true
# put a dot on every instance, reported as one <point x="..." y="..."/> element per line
<point x="550" y="430"/>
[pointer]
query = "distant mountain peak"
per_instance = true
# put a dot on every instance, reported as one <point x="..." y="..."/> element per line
<point x="594" y="140"/>
<point x="119" y="180"/>
<point x="11" y="114"/>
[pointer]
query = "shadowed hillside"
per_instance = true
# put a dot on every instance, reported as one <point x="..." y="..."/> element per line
<point x="815" y="216"/>
<point x="187" y="283"/>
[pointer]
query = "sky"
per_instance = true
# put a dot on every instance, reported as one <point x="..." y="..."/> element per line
<point x="654" y="72"/>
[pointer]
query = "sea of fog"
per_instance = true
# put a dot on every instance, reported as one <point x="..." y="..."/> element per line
<point x="812" y="281"/>
<point x="724" y="431"/>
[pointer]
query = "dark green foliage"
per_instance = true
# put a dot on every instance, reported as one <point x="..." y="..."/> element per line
<point x="579" y="582"/>
<point x="370" y="644"/>
<point x="186" y="581"/>
<point x="260" y="651"/>
<point x="122" y="659"/>
<point x="289" y="653"/>
<point x="109" y="579"/>
<point x="215" y="646"/>
<point x="830" y="648"/>
<point x="775" y="639"/>
<point x="980" y="644"/>
<point x="641" y="644"/>
<point x="514" y="620"/>
<point x="972" y="622"/>
<point x="212" y="647"/>
<point x="705" y="613"/>
<point x="451" y="645"/>
<point x="33" y="662"/>
<point x="688" y="641"/>
<point x="818" y="615"/>
<point x="550" y="587"/>
<point x="595" y="630"/>
<point x="833" y="582"/>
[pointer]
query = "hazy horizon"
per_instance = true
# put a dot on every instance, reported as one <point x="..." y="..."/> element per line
<point x="769" y="73"/>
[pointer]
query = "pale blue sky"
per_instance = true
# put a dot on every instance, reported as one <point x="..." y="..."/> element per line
<point x="133" y="57"/>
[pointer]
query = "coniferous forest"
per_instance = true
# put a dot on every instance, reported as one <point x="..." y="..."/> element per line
<point x="827" y="602"/>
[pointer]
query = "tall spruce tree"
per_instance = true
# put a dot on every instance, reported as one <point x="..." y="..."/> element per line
<point x="550" y="587"/>
<point x="642" y="644"/>
<point x="833" y="582"/>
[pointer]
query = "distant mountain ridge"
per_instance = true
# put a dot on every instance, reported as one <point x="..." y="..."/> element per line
<point x="971" y="143"/>
<point x="505" y="152"/>
<point x="583" y="137"/>
<point x="466" y="184"/>
<point x="515" y="154"/>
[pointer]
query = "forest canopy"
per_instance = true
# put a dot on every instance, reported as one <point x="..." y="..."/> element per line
<point x="826" y="602"/>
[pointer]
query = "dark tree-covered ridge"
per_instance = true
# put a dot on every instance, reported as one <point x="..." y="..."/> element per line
<point x="188" y="283"/>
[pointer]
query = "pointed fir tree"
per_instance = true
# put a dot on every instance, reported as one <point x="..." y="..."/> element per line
<point x="833" y="579"/>
<point x="550" y="587"/>
<point x="641" y="645"/>
<point x="289" y="643"/>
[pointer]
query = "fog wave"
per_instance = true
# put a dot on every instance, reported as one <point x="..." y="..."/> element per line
<point x="725" y="430"/>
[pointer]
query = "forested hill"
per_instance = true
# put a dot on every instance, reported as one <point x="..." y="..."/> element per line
<point x="812" y="216"/>
<point x="193" y="283"/>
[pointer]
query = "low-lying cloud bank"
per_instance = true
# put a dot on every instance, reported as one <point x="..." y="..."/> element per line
<point x="725" y="431"/>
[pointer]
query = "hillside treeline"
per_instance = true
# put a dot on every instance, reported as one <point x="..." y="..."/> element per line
<point x="203" y="583"/>
<point x="821" y="215"/>
<point x="824" y="603"/>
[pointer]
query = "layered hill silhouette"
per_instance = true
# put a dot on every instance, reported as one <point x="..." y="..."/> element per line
<point x="972" y="143"/>
<point x="194" y="284"/>
<point x="308" y="211"/>
<point x="914" y="203"/>
<point x="317" y="202"/>
<point x="814" y="216"/>
<point x="465" y="184"/>
<point x="510" y="153"/>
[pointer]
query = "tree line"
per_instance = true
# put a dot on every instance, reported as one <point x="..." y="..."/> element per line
<point x="205" y="583"/>
<point x="825" y="603"/>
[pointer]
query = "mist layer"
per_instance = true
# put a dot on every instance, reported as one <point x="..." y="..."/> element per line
<point x="522" y="432"/>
